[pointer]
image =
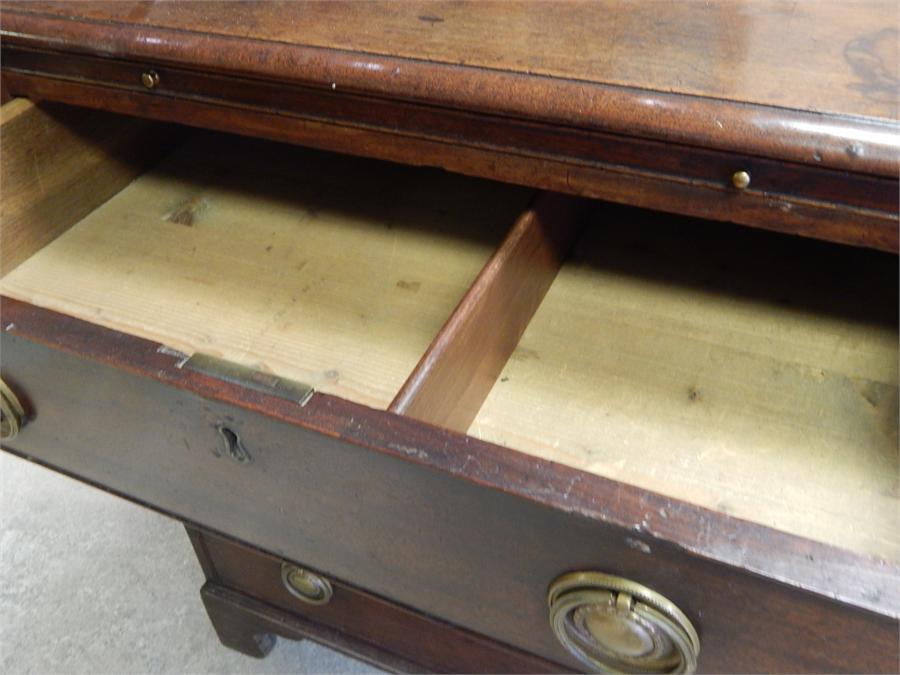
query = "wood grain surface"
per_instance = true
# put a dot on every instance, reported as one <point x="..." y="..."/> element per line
<point x="460" y="367"/>
<point x="661" y="357"/>
<point x="838" y="57"/>
<point x="59" y="164"/>
<point x="823" y="204"/>
<point x="861" y="136"/>
<point x="325" y="269"/>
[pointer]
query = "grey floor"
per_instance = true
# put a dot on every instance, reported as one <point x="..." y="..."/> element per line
<point x="93" y="584"/>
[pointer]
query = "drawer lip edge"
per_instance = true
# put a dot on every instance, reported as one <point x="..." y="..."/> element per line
<point x="508" y="93"/>
<point x="787" y="196"/>
<point x="752" y="548"/>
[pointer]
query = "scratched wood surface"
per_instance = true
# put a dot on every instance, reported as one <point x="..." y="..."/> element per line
<point x="330" y="270"/>
<point x="662" y="358"/>
<point x="832" y="56"/>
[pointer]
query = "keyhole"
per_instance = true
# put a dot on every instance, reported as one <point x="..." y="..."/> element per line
<point x="232" y="446"/>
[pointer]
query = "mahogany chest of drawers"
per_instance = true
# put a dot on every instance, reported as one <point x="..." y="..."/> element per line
<point x="569" y="341"/>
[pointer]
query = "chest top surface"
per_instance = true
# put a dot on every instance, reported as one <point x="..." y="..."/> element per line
<point x="832" y="57"/>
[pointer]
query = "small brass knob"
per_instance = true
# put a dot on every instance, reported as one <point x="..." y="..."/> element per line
<point x="305" y="585"/>
<point x="150" y="78"/>
<point x="740" y="179"/>
<point x="614" y="625"/>
<point x="11" y="413"/>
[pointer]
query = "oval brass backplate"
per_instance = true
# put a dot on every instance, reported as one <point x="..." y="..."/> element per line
<point x="12" y="413"/>
<point x="305" y="585"/>
<point x="614" y="625"/>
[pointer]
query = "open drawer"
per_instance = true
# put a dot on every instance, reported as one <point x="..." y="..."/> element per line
<point x="317" y="267"/>
<point x="702" y="418"/>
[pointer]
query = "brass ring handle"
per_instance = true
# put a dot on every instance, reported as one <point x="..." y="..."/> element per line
<point x="11" y="413"/>
<point x="305" y="585"/>
<point x="614" y="625"/>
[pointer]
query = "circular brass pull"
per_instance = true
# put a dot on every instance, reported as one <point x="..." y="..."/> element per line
<point x="614" y="625"/>
<point x="11" y="413"/>
<point x="305" y="585"/>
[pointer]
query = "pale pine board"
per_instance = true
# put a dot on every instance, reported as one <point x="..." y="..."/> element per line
<point x="330" y="270"/>
<point x="745" y="372"/>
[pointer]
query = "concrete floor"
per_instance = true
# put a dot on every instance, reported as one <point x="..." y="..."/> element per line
<point x="93" y="584"/>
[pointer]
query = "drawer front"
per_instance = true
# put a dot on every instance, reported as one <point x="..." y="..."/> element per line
<point x="834" y="204"/>
<point x="457" y="529"/>
<point x="433" y="644"/>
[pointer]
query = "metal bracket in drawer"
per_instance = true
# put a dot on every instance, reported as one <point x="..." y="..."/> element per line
<point x="250" y="378"/>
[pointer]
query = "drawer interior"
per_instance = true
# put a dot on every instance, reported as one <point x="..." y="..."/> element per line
<point x="750" y="373"/>
<point x="327" y="269"/>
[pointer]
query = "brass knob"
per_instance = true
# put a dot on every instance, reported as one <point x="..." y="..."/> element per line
<point x="150" y="78"/>
<point x="305" y="585"/>
<point x="11" y="413"/>
<point x="740" y="179"/>
<point x="614" y="625"/>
